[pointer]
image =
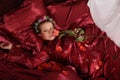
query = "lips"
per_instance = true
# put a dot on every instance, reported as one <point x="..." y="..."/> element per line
<point x="51" y="35"/>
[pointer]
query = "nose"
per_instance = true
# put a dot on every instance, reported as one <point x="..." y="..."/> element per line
<point x="51" y="31"/>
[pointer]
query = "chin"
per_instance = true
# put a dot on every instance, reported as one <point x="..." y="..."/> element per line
<point x="50" y="39"/>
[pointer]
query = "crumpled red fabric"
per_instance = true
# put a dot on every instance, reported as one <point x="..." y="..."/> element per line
<point x="30" y="9"/>
<point x="71" y="12"/>
<point x="21" y="54"/>
<point x="99" y="53"/>
<point x="19" y="23"/>
<point x="95" y="59"/>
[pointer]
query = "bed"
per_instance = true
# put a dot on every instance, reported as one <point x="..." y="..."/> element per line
<point x="27" y="60"/>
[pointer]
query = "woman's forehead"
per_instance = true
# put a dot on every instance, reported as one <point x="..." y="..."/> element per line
<point x="46" y="25"/>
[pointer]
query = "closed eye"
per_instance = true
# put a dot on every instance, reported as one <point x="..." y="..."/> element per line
<point x="45" y="30"/>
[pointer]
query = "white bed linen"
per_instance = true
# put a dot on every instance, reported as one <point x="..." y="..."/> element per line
<point x="106" y="15"/>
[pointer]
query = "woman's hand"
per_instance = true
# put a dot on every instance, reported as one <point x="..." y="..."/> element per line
<point x="6" y="45"/>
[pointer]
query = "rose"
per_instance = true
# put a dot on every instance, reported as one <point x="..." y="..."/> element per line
<point x="58" y="48"/>
<point x="55" y="32"/>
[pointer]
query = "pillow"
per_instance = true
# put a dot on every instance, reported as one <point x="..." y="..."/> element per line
<point x="67" y="12"/>
<point x="24" y="16"/>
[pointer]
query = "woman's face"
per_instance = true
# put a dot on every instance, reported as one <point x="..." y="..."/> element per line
<point x="47" y="31"/>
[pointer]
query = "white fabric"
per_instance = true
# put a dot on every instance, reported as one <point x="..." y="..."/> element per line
<point x="106" y="15"/>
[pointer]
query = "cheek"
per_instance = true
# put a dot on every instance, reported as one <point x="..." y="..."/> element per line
<point x="45" y="35"/>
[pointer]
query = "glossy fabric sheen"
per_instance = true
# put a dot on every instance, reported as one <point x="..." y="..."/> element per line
<point x="98" y="59"/>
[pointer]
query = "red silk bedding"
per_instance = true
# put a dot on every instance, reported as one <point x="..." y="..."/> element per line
<point x="99" y="60"/>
